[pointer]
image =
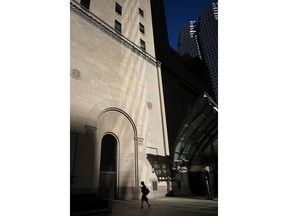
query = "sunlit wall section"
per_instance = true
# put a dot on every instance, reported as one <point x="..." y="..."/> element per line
<point x="116" y="100"/>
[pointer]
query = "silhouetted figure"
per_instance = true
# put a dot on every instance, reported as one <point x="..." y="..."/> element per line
<point x="144" y="194"/>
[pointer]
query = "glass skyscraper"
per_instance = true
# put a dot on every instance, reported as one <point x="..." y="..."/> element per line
<point x="188" y="41"/>
<point x="200" y="39"/>
<point x="208" y="40"/>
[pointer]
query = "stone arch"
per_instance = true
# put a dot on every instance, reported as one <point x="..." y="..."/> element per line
<point x="100" y="109"/>
<point x="119" y="123"/>
<point x="123" y="113"/>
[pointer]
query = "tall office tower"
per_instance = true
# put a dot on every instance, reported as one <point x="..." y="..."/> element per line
<point x="191" y="116"/>
<point x="117" y="113"/>
<point x="188" y="41"/>
<point x="208" y="40"/>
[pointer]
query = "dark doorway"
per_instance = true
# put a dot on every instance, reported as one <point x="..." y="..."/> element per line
<point x="108" y="167"/>
<point x="196" y="183"/>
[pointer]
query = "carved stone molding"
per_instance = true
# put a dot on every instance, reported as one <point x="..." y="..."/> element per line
<point x="76" y="74"/>
<point x="149" y="105"/>
<point x="140" y="140"/>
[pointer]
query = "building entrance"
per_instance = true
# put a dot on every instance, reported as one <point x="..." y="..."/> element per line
<point x="209" y="183"/>
<point x="108" y="167"/>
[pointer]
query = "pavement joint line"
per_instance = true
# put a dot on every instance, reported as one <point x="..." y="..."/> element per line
<point x="180" y="205"/>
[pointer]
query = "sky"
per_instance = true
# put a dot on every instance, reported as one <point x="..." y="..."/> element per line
<point x="179" y="13"/>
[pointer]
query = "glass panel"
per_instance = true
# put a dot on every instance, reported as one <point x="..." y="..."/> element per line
<point x="117" y="26"/>
<point x="142" y="44"/>
<point x="85" y="3"/>
<point x="141" y="12"/>
<point x="118" y="8"/>
<point x="142" y="28"/>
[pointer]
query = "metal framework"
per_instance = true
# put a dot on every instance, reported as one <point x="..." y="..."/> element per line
<point x="198" y="132"/>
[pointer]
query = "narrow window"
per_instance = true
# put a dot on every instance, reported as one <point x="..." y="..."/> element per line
<point x="85" y="3"/>
<point x="118" y="8"/>
<point x="154" y="185"/>
<point x="142" y="45"/>
<point x="141" y="26"/>
<point x="141" y="12"/>
<point x="117" y="26"/>
<point x="73" y="151"/>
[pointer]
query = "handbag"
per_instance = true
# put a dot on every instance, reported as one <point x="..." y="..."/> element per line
<point x="147" y="191"/>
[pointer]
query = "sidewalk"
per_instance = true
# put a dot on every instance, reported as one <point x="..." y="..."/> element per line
<point x="166" y="206"/>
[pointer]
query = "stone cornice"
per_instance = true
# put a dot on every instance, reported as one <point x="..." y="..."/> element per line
<point x="77" y="8"/>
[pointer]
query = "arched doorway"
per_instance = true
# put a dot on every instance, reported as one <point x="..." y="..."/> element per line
<point x="108" y="167"/>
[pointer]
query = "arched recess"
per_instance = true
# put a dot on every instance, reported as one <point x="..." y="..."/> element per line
<point x="113" y="120"/>
<point x="123" y="113"/>
<point x="108" y="182"/>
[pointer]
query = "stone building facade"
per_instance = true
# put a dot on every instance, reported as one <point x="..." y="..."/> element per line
<point x="117" y="108"/>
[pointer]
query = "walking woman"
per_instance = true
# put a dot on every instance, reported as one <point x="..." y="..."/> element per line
<point x="144" y="194"/>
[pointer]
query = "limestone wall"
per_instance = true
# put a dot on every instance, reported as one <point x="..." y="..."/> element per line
<point x="114" y="88"/>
